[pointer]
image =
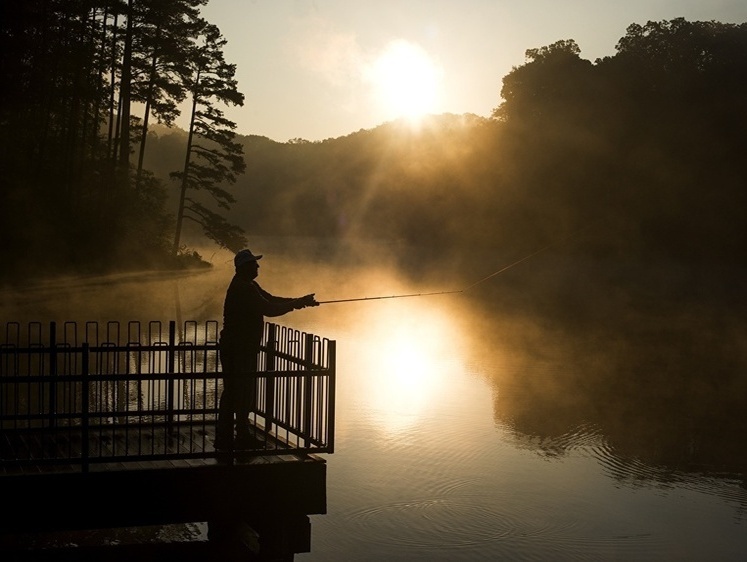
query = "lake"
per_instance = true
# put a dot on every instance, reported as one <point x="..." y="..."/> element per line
<point x="566" y="409"/>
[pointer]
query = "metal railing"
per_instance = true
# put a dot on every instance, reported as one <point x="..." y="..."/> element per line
<point x="114" y="393"/>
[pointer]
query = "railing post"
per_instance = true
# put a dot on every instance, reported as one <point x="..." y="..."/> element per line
<point x="52" y="373"/>
<point x="170" y="370"/>
<point x="272" y="347"/>
<point x="307" y="388"/>
<point x="85" y="421"/>
<point x="332" y="378"/>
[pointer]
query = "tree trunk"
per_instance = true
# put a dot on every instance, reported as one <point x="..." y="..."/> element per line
<point x="185" y="175"/>
<point x="144" y="134"/>
<point x="124" y="135"/>
<point x="111" y="147"/>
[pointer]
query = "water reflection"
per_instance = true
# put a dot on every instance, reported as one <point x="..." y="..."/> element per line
<point x="405" y="360"/>
<point x="651" y="377"/>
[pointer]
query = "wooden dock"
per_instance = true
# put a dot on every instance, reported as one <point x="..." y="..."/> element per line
<point x="271" y="495"/>
<point x="85" y="449"/>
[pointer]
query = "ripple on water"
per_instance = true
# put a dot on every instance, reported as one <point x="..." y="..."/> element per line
<point x="422" y="523"/>
<point x="634" y="472"/>
<point x="590" y="439"/>
<point x="446" y="518"/>
<point x="470" y="518"/>
<point x="583" y="436"/>
<point x="460" y="525"/>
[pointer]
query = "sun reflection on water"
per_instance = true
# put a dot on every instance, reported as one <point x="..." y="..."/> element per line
<point x="411" y="348"/>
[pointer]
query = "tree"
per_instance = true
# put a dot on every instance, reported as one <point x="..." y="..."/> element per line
<point x="552" y="77"/>
<point x="683" y="90"/>
<point x="125" y="88"/>
<point x="64" y="64"/>
<point x="167" y="29"/>
<point x="212" y="156"/>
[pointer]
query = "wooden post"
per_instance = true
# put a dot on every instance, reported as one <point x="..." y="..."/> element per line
<point x="280" y="537"/>
<point x="271" y="537"/>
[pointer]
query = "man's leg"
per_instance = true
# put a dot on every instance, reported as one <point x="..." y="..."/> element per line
<point x="227" y="404"/>
<point x="248" y="402"/>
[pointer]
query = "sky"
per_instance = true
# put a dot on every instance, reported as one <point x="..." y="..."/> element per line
<point x="319" y="69"/>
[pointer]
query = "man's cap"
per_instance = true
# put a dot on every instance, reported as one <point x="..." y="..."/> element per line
<point x="244" y="256"/>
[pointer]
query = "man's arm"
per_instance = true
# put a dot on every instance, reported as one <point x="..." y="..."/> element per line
<point x="271" y="298"/>
<point x="271" y="306"/>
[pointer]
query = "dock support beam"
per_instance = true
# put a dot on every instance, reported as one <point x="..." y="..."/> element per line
<point x="276" y="538"/>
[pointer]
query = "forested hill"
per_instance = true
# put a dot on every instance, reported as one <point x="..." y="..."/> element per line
<point x="647" y="146"/>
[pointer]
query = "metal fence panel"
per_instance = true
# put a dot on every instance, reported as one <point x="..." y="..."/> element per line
<point x="115" y="393"/>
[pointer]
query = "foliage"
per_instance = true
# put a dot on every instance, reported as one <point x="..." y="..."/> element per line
<point x="213" y="157"/>
<point x="167" y="29"/>
<point x="72" y="71"/>
<point x="643" y="148"/>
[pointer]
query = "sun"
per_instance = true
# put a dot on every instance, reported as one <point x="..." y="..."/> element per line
<point x="406" y="81"/>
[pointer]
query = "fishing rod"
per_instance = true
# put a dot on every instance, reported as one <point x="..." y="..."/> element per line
<point x="494" y="274"/>
<point x="392" y="297"/>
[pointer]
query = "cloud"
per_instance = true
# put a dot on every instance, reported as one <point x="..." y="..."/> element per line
<point x="321" y="49"/>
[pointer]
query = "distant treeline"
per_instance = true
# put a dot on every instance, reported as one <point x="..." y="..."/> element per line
<point x="647" y="146"/>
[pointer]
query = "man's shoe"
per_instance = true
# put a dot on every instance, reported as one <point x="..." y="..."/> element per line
<point x="247" y="442"/>
<point x="223" y="444"/>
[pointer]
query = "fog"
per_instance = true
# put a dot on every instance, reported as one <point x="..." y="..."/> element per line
<point x="652" y="356"/>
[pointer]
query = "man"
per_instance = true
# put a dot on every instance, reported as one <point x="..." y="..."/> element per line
<point x="244" y="310"/>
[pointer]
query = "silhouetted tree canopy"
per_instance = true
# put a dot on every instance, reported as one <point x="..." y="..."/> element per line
<point x="72" y="72"/>
<point x="645" y="145"/>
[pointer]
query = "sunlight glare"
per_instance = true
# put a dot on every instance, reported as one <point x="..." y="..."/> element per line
<point x="407" y="82"/>
<point x="408" y="366"/>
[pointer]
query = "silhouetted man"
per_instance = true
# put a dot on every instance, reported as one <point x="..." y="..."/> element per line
<point x="244" y="310"/>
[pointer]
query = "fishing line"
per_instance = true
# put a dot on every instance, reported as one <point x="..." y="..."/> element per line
<point x="506" y="268"/>
<point x="494" y="274"/>
<point x="442" y="292"/>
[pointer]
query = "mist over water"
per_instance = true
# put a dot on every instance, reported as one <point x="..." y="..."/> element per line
<point x="569" y="408"/>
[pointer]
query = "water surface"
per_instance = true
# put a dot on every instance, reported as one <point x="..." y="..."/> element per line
<point x="569" y="409"/>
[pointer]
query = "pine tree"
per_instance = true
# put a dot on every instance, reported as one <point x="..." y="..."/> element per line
<point x="212" y="156"/>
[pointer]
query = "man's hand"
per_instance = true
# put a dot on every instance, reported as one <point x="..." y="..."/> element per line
<point x="307" y="300"/>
